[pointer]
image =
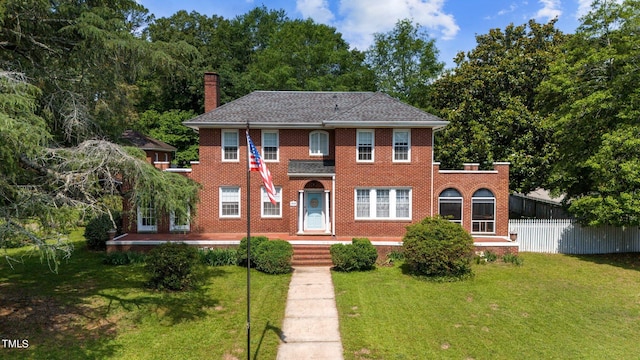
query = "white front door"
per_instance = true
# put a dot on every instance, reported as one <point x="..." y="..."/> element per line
<point x="314" y="216"/>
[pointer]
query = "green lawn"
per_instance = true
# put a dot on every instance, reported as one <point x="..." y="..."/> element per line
<point x="94" y="311"/>
<point x="552" y="307"/>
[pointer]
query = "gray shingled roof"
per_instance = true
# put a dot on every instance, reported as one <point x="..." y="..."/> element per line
<point x="145" y="142"/>
<point x="296" y="109"/>
<point x="315" y="167"/>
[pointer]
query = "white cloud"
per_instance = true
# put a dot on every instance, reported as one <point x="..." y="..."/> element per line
<point x="584" y="6"/>
<point x="550" y="9"/>
<point x="318" y="10"/>
<point x="360" y="19"/>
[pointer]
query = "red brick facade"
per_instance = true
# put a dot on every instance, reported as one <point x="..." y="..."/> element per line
<point x="382" y="185"/>
<point x="418" y="175"/>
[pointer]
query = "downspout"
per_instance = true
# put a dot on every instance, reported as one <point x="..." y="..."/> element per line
<point x="433" y="138"/>
<point x="333" y="205"/>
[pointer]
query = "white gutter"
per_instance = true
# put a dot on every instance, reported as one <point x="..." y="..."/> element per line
<point x="433" y="173"/>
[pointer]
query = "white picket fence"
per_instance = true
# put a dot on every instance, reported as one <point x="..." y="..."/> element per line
<point x="568" y="237"/>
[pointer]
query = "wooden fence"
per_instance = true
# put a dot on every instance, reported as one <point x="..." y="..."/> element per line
<point x="567" y="237"/>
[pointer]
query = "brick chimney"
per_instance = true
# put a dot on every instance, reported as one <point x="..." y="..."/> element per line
<point x="211" y="91"/>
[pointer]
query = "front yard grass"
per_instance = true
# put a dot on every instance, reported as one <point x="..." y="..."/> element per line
<point x="552" y="307"/>
<point x="94" y="311"/>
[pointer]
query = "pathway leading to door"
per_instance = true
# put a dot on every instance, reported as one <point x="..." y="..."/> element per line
<point x="311" y="328"/>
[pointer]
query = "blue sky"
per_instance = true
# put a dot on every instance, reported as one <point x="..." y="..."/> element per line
<point x="452" y="23"/>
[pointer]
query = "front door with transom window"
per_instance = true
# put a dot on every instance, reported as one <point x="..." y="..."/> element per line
<point x="314" y="216"/>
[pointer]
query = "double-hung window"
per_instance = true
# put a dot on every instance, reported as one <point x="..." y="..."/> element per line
<point x="270" y="145"/>
<point x="318" y="143"/>
<point x="229" y="202"/>
<point x="269" y="210"/>
<point x="402" y="145"/>
<point x="393" y="204"/>
<point x="365" y="145"/>
<point x="230" y="145"/>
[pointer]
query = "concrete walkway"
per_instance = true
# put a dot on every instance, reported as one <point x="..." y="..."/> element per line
<point x="311" y="329"/>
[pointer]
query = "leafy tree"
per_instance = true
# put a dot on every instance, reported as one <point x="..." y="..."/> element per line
<point x="405" y="62"/>
<point x="67" y="73"/>
<point x="167" y="127"/>
<point x="489" y="99"/>
<point x="592" y="101"/>
<point x="303" y="55"/>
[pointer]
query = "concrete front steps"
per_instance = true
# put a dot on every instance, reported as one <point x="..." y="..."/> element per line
<point x="311" y="255"/>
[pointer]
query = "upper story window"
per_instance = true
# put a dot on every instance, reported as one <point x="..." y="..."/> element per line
<point x="402" y="145"/>
<point x="230" y="145"/>
<point x="483" y="212"/>
<point x="365" y="146"/>
<point x="319" y="143"/>
<point x="450" y="205"/>
<point x="270" y="145"/>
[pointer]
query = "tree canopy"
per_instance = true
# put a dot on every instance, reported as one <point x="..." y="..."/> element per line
<point x="67" y="80"/>
<point x="592" y="103"/>
<point x="489" y="99"/>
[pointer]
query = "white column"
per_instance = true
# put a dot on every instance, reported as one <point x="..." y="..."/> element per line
<point x="300" y="211"/>
<point x="327" y="223"/>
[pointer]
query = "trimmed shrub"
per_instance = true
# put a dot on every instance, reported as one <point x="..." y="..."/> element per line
<point x="273" y="257"/>
<point x="438" y="248"/>
<point x="173" y="266"/>
<point x="360" y="255"/>
<point x="96" y="231"/>
<point x="242" y="249"/>
<point x="219" y="257"/>
<point x="124" y="258"/>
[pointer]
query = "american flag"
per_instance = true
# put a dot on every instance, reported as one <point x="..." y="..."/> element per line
<point x="256" y="164"/>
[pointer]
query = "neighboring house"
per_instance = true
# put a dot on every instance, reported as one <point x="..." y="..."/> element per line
<point x="159" y="154"/>
<point x="344" y="164"/>
<point x="538" y="204"/>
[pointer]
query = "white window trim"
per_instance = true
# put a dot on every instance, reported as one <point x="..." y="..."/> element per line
<point x="325" y="149"/>
<point x="392" y="204"/>
<point x="458" y="200"/>
<point x="373" y="145"/>
<point x="277" y="159"/>
<point x="393" y="156"/>
<point x="172" y="222"/>
<point x="239" y="202"/>
<point x="485" y="200"/>
<point x="145" y="228"/>
<point x="265" y="198"/>
<point x="224" y="131"/>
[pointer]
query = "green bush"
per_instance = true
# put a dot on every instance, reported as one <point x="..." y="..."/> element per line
<point x="124" y="258"/>
<point x="273" y="257"/>
<point x="219" y="257"/>
<point x="242" y="249"/>
<point x="358" y="256"/>
<point x="436" y="247"/>
<point x="173" y="266"/>
<point x="96" y="230"/>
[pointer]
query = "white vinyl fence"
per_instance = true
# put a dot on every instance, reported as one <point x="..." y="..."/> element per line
<point x="568" y="237"/>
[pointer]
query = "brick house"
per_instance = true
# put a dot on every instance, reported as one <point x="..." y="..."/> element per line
<point x="344" y="164"/>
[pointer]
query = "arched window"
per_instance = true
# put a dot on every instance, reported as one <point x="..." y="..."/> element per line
<point x="319" y="143"/>
<point x="450" y="205"/>
<point x="483" y="212"/>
